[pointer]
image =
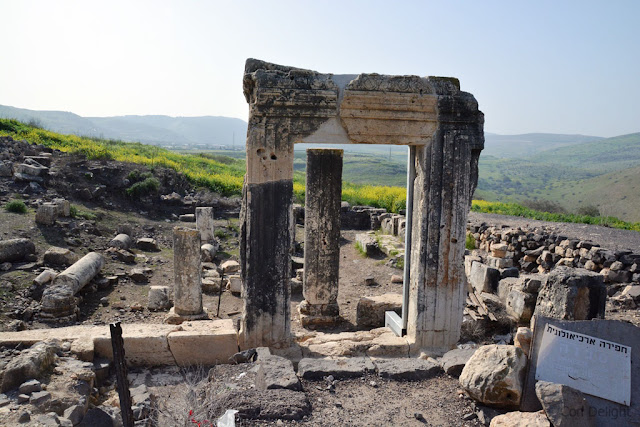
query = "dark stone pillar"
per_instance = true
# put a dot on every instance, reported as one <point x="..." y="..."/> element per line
<point x="322" y="237"/>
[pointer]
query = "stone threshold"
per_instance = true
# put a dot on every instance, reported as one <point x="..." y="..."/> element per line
<point x="208" y="342"/>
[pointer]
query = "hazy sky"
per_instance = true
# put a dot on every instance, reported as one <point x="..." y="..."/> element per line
<point x="534" y="66"/>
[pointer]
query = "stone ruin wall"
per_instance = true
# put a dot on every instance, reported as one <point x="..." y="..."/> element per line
<point x="441" y="123"/>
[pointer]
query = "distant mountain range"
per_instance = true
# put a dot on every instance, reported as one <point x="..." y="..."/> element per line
<point x="213" y="131"/>
<point x="571" y="170"/>
<point x="158" y="130"/>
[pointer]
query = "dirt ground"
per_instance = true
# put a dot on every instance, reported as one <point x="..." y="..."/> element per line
<point x="365" y="401"/>
<point x="359" y="402"/>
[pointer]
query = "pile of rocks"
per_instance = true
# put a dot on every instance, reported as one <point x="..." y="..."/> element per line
<point x="361" y="218"/>
<point x="541" y="250"/>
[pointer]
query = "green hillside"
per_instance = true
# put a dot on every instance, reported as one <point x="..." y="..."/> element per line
<point x="616" y="193"/>
<point x="604" y="156"/>
<point x="518" y="146"/>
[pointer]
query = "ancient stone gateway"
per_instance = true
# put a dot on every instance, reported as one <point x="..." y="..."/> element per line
<point x="444" y="129"/>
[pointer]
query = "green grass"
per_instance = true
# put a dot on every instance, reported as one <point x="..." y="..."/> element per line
<point x="77" y="212"/>
<point x="469" y="242"/>
<point x="16" y="206"/>
<point x="143" y="188"/>
<point x="515" y="209"/>
<point x="361" y="250"/>
<point x="225" y="175"/>
<point x="223" y="178"/>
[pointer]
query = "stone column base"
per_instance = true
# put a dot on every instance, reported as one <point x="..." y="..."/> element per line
<point x="314" y="315"/>
<point x="175" y="319"/>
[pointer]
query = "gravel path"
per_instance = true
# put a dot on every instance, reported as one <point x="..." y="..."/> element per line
<point x="609" y="238"/>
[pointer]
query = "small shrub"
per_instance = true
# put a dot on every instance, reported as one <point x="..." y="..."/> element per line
<point x="470" y="242"/>
<point x="221" y="234"/>
<point x="544" y="206"/>
<point x="143" y="188"/>
<point x="75" y="212"/>
<point x="16" y="206"/>
<point x="137" y="176"/>
<point x="589" y="210"/>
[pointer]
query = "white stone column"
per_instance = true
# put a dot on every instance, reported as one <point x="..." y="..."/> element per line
<point x="204" y="224"/>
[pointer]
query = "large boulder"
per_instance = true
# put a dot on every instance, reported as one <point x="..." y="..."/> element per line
<point x="16" y="249"/>
<point x="30" y="364"/>
<point x="564" y="405"/>
<point x="494" y="375"/>
<point x="572" y="294"/>
<point x="59" y="256"/>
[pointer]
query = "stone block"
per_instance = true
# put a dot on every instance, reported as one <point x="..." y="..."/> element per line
<point x="499" y="262"/>
<point x="405" y="369"/>
<point x="494" y="375"/>
<point x="484" y="278"/>
<point x="187" y="218"/>
<point x="144" y="344"/>
<point x="230" y="266"/>
<point x="234" y="284"/>
<point x="509" y="272"/>
<point x="520" y="305"/>
<point x="147" y="244"/>
<point x="572" y="294"/>
<point x="276" y="372"/>
<point x="368" y="243"/>
<point x="64" y="207"/>
<point x="370" y="310"/>
<point x="16" y="249"/>
<point x="159" y="298"/>
<point x="207" y="342"/>
<point x="208" y="252"/>
<point x="453" y="361"/>
<point x="60" y="256"/>
<point x="211" y="285"/>
<point x="522" y="339"/>
<point x="268" y="405"/>
<point x="46" y="214"/>
<point x="564" y="405"/>
<point x="204" y="223"/>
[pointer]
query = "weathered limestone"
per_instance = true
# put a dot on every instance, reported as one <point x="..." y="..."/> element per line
<point x="121" y="241"/>
<point x="204" y="224"/>
<point x="59" y="256"/>
<point x="445" y="129"/>
<point x="58" y="300"/>
<point x="159" y="298"/>
<point x="187" y="293"/>
<point x="203" y="343"/>
<point x="322" y="238"/>
<point x="16" y="249"/>
<point x="495" y="375"/>
<point x="565" y="406"/>
<point x="572" y="294"/>
<point x="63" y="206"/>
<point x="47" y="214"/>
<point x="370" y="310"/>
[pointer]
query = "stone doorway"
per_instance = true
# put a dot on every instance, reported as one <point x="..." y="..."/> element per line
<point x="442" y="125"/>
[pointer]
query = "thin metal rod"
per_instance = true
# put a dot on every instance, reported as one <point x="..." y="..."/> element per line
<point x="411" y="176"/>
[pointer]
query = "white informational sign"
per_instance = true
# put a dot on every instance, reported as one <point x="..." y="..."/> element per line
<point x="592" y="365"/>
